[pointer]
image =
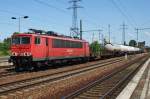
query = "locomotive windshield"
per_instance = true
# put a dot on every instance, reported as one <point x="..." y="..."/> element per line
<point x="21" y="40"/>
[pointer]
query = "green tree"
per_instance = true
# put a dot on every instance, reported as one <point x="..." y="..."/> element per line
<point x="15" y="33"/>
<point x="95" y="48"/>
<point x="132" y="43"/>
<point x="7" y="42"/>
<point x="4" y="46"/>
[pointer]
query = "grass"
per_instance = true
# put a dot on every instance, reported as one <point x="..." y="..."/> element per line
<point x="4" y="53"/>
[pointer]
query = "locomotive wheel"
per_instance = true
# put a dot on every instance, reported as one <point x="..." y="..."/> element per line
<point x="84" y="60"/>
<point x="31" y="68"/>
<point x="18" y="69"/>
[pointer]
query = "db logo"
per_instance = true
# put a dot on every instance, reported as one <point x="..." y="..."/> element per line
<point x="69" y="50"/>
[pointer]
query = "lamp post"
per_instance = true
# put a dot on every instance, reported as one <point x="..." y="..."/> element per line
<point x="19" y="18"/>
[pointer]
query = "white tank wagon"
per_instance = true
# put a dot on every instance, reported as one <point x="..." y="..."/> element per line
<point x="121" y="48"/>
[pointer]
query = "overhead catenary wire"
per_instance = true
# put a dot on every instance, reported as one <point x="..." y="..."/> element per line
<point x="60" y="1"/>
<point x="122" y="13"/>
<point x="12" y="13"/>
<point x="125" y="10"/>
<point x="35" y="17"/>
<point x="46" y="4"/>
<point x="51" y="6"/>
<point x="87" y="16"/>
<point x="15" y="14"/>
<point x="84" y="19"/>
<point x="87" y="20"/>
<point x="61" y="10"/>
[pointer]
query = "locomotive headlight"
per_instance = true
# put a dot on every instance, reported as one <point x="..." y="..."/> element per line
<point x="27" y="54"/>
<point x="14" y="54"/>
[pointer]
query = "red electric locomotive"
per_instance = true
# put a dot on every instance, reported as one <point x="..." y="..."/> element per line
<point x="30" y="49"/>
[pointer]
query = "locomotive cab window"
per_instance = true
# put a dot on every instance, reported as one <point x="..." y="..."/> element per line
<point x="16" y="40"/>
<point x="21" y="40"/>
<point x="37" y="40"/>
<point x="25" y="40"/>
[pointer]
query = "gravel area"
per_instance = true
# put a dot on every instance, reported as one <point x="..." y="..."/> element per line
<point x="60" y="88"/>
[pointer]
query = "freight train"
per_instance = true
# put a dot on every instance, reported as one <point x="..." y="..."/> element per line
<point x="32" y="50"/>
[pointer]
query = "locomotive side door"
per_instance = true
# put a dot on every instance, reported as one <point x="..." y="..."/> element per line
<point x="47" y="47"/>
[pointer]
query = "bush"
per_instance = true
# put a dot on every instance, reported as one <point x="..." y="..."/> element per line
<point x="4" y="47"/>
<point x="95" y="48"/>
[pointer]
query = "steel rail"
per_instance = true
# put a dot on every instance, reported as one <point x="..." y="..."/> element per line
<point x="6" y="88"/>
<point x="93" y="84"/>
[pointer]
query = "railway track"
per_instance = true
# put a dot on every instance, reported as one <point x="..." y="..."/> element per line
<point x="108" y="86"/>
<point x="6" y="70"/>
<point x="5" y="64"/>
<point x="3" y="59"/>
<point x="9" y="71"/>
<point x="5" y="67"/>
<point x="13" y="86"/>
<point x="9" y="68"/>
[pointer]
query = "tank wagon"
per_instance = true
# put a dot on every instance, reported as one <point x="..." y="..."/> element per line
<point x="122" y="48"/>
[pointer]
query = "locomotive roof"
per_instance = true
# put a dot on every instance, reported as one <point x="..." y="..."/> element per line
<point x="49" y="36"/>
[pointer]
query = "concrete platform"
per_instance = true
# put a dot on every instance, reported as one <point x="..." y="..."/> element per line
<point x="5" y="63"/>
<point x="139" y="86"/>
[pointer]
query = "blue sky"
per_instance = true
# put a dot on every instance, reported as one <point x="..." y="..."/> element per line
<point x="96" y="14"/>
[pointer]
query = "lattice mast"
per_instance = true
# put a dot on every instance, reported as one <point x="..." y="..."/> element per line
<point x="74" y="29"/>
